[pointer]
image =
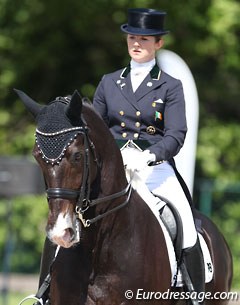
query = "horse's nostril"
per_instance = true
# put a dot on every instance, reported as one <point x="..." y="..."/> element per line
<point x="72" y="234"/>
<point x="69" y="234"/>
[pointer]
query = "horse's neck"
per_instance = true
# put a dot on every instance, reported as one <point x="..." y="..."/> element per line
<point x="112" y="175"/>
<point x="113" y="178"/>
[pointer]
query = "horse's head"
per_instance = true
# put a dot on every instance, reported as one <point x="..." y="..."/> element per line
<point x="68" y="162"/>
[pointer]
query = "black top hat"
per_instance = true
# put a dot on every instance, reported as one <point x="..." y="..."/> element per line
<point x="143" y="21"/>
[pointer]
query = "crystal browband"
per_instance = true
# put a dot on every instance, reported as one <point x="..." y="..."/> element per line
<point x="53" y="145"/>
<point x="56" y="133"/>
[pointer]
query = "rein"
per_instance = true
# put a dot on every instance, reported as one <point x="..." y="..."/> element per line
<point x="83" y="195"/>
<point x="87" y="222"/>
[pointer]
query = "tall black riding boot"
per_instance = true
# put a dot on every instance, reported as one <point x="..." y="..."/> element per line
<point x="193" y="260"/>
<point x="48" y="255"/>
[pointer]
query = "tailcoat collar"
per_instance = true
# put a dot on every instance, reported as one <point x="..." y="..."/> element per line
<point x="126" y="71"/>
<point x="155" y="72"/>
<point x="123" y="82"/>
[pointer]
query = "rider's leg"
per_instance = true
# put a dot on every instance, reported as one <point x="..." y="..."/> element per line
<point x="192" y="258"/>
<point x="162" y="181"/>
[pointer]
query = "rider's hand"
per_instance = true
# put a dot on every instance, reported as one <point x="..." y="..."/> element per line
<point x="139" y="162"/>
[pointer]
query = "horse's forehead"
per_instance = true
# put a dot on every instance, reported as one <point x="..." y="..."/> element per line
<point x="54" y="132"/>
<point x="52" y="118"/>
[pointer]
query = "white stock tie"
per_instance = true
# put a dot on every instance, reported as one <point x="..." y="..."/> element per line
<point x="139" y="71"/>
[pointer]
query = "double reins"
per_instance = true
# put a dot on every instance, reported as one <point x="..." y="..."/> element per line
<point x="83" y="195"/>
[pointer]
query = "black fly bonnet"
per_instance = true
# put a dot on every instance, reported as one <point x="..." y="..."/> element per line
<point x="55" y="132"/>
<point x="58" y="124"/>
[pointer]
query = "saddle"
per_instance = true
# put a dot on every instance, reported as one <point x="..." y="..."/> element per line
<point x="173" y="223"/>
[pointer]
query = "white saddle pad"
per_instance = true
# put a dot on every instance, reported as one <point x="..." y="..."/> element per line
<point x="155" y="205"/>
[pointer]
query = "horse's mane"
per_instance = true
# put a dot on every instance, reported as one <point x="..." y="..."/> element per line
<point x="95" y="122"/>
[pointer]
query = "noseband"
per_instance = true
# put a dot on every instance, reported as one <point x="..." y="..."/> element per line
<point x="82" y="196"/>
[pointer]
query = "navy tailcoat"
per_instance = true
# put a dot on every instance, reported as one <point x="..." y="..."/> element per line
<point x="155" y="112"/>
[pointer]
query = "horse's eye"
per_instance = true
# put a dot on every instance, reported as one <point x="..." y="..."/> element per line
<point x="77" y="156"/>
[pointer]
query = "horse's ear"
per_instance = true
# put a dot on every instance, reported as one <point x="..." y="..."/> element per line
<point x="74" y="108"/>
<point x="30" y="104"/>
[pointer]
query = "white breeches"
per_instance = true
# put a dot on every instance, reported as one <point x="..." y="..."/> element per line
<point x="161" y="180"/>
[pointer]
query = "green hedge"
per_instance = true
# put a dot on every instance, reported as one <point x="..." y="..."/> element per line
<point x="22" y="232"/>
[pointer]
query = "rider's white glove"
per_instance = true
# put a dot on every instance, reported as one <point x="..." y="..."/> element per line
<point x="140" y="161"/>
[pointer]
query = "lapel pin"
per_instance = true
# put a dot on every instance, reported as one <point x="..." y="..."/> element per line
<point x="149" y="84"/>
<point x="118" y="81"/>
<point x="158" y="115"/>
<point x="122" y="85"/>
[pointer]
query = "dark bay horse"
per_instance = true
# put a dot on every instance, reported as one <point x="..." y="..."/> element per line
<point x="112" y="246"/>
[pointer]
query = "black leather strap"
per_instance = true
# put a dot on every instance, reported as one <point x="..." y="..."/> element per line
<point x="183" y="183"/>
<point x="62" y="193"/>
